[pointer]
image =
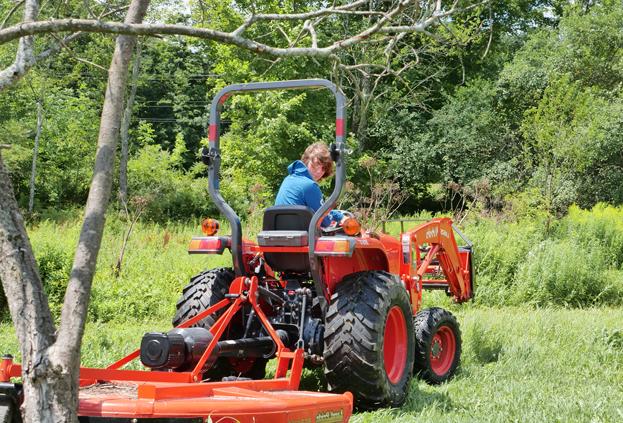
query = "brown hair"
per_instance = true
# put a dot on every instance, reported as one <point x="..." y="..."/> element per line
<point x="319" y="151"/>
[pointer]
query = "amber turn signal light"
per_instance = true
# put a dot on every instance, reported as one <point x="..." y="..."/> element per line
<point x="210" y="226"/>
<point x="351" y="226"/>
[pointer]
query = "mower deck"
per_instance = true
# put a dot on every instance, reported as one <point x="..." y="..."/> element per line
<point x="216" y="401"/>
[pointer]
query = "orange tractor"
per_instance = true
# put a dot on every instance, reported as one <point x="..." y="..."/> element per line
<point x="342" y="298"/>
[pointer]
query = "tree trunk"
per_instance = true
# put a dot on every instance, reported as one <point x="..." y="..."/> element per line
<point x="26" y="298"/>
<point x="50" y="358"/>
<point x="73" y="316"/>
<point x="125" y="127"/>
<point x="35" y="151"/>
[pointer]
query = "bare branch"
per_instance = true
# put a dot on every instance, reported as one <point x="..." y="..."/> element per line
<point x="382" y="25"/>
<point x="24" y="58"/>
<point x="14" y="72"/>
<point x="309" y="27"/>
<point x="88" y="62"/>
<point x="285" y="35"/>
<point x="55" y="48"/>
<point x="299" y="16"/>
<point x="432" y="19"/>
<point x="11" y="12"/>
<point x="87" y="6"/>
<point x="61" y="44"/>
<point x="490" y="36"/>
<point x="373" y="29"/>
<point x="244" y="26"/>
<point x="308" y="15"/>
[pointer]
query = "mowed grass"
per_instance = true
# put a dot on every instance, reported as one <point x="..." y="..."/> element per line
<point x="527" y="365"/>
<point x="518" y="364"/>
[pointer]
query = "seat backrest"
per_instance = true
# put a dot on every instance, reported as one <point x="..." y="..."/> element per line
<point x="287" y="218"/>
<point x="290" y="219"/>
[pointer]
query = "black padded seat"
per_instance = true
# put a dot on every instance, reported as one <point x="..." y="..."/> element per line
<point x="286" y="226"/>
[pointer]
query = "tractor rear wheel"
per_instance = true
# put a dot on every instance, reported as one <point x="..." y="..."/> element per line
<point x="438" y="345"/>
<point x="203" y="291"/>
<point x="369" y="344"/>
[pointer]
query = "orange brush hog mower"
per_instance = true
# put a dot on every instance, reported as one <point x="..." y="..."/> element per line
<point x="342" y="298"/>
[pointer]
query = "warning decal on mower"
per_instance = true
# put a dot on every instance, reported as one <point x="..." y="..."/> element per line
<point x="330" y="417"/>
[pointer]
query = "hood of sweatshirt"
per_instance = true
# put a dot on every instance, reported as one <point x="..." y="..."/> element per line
<point x="298" y="168"/>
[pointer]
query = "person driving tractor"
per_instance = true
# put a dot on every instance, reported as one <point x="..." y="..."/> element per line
<point x="300" y="186"/>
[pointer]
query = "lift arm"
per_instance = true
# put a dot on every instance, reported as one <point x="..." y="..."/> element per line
<point x="436" y="238"/>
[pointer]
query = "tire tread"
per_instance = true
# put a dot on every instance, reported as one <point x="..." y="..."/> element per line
<point x="354" y="331"/>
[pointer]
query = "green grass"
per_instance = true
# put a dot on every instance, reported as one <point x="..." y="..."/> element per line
<point x="527" y="365"/>
<point x="517" y="365"/>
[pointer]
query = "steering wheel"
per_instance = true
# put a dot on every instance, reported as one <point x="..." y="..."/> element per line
<point x="331" y="230"/>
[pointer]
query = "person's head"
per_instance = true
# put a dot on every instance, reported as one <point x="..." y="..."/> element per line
<point x="317" y="158"/>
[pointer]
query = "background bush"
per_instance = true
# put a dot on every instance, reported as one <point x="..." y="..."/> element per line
<point x="577" y="264"/>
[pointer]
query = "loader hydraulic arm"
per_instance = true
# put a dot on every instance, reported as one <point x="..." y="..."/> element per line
<point x="436" y="239"/>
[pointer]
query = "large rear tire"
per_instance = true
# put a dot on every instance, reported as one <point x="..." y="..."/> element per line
<point x="369" y="344"/>
<point x="203" y="291"/>
<point x="438" y="345"/>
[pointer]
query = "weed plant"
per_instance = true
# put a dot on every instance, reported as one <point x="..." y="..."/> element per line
<point x="579" y="263"/>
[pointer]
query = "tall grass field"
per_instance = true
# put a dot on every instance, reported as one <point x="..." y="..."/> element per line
<point x="543" y="340"/>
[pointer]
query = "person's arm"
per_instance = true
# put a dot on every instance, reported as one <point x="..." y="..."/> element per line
<point x="313" y="199"/>
<point x="313" y="196"/>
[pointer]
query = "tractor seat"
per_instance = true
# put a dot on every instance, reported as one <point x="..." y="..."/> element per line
<point x="286" y="226"/>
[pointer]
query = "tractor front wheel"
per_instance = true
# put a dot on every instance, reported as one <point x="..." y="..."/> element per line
<point x="438" y="345"/>
<point x="369" y="344"/>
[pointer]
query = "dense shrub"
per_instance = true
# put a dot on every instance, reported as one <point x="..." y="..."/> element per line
<point x="170" y="192"/>
<point x="499" y="250"/>
<point x="54" y="262"/>
<point x="54" y="267"/>
<point x="565" y="273"/>
<point x="579" y="264"/>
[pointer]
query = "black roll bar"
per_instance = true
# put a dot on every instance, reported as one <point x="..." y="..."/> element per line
<point x="213" y="158"/>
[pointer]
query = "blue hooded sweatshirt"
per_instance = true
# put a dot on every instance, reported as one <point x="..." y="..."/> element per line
<point x="300" y="189"/>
